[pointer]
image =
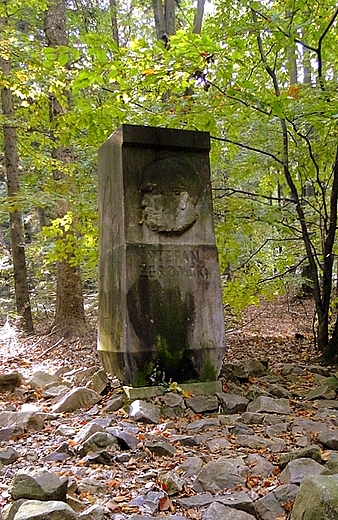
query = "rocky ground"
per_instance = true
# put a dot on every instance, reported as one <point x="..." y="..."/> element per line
<point x="237" y="449"/>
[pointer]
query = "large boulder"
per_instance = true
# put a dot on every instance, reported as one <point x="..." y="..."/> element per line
<point x="317" y="499"/>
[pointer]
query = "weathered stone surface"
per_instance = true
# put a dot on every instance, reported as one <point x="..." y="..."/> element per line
<point x="232" y="403"/>
<point x="191" y="466"/>
<point x="95" y="512"/>
<point x="40" y="379"/>
<point x="98" y="381"/>
<point x="160" y="247"/>
<point x="269" y="405"/>
<point x="317" y="499"/>
<point x="80" y="397"/>
<point x="144" y="412"/>
<point x="238" y="500"/>
<point x="8" y="382"/>
<point x="38" y="484"/>
<point x="331" y="466"/>
<point x="160" y="447"/>
<point x="173" y="399"/>
<point x="87" y="431"/>
<point x="199" y="500"/>
<point x="203" y="424"/>
<point x="55" y="391"/>
<point x="8" y="455"/>
<point x="149" y="501"/>
<point x="219" y="474"/>
<point x="259" y="465"/>
<point x="96" y="442"/>
<point x="202" y="388"/>
<point x="201" y="404"/>
<point x="310" y="452"/>
<point x="218" y="511"/>
<point x="30" y="421"/>
<point x="113" y="404"/>
<point x="255" y="368"/>
<point x="329" y="439"/>
<point x="51" y="510"/>
<point x="278" y="391"/>
<point x="321" y="392"/>
<point x="304" y="426"/>
<point x="172" y="482"/>
<point x="297" y="469"/>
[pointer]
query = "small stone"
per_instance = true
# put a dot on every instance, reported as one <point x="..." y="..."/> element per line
<point x="171" y="399"/>
<point x="202" y="403"/>
<point x="38" y="484"/>
<point x="8" y="456"/>
<point x="76" y="398"/>
<point x="98" y="381"/>
<point x="329" y="439"/>
<point x="218" y="511"/>
<point x="297" y="469"/>
<point x="172" y="482"/>
<point x="8" y="382"/>
<point x="160" y="447"/>
<point x="36" y="510"/>
<point x="232" y="403"/>
<point x="113" y="404"/>
<point x="144" y="412"/>
<point x="269" y="405"/>
<point x="97" y="442"/>
<point x="40" y="379"/>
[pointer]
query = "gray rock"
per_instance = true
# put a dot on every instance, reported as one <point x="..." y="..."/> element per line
<point x="238" y="500"/>
<point x="160" y="447"/>
<point x="232" y="403"/>
<point x="50" y="510"/>
<point x="276" y="430"/>
<point x="87" y="431"/>
<point x="8" y="382"/>
<point x="38" y="484"/>
<point x="259" y="465"/>
<point x="55" y="391"/>
<point x="202" y="403"/>
<point x="94" y="512"/>
<point x="271" y="505"/>
<point x="173" y="483"/>
<point x="329" y="439"/>
<point x="303" y="426"/>
<point x="219" y="474"/>
<point x="252" y="441"/>
<point x="96" y="442"/>
<point x="149" y="501"/>
<point x="255" y="368"/>
<point x="317" y="499"/>
<point x="297" y="469"/>
<point x="11" y="432"/>
<point x="40" y="379"/>
<point x="218" y="445"/>
<point x="310" y="452"/>
<point x="8" y="455"/>
<point x="92" y="485"/>
<point x="269" y="405"/>
<point x="191" y="466"/>
<point x="98" y="381"/>
<point x="251" y="418"/>
<point x="126" y="440"/>
<point x="218" y="511"/>
<point x="113" y="404"/>
<point x="144" y="412"/>
<point x="256" y="391"/>
<point x="172" y="399"/>
<point x="76" y="398"/>
<point x="199" y="500"/>
<point x="278" y="391"/>
<point x="29" y="421"/>
<point x="321" y="392"/>
<point x="203" y="424"/>
<point x="331" y="466"/>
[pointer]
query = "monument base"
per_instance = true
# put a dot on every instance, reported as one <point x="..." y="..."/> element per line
<point x="144" y="368"/>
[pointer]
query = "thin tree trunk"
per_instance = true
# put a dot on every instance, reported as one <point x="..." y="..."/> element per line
<point x="114" y="22"/>
<point x="13" y="188"/>
<point x="199" y="17"/>
<point x="69" y="312"/>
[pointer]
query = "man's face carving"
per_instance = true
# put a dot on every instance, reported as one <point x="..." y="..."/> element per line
<point x="171" y="189"/>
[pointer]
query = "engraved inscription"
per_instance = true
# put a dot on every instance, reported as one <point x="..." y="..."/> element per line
<point x="173" y="262"/>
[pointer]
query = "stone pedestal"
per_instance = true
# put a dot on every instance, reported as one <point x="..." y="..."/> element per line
<point x="160" y="305"/>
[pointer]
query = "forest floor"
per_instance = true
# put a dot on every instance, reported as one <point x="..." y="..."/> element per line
<point x="278" y="332"/>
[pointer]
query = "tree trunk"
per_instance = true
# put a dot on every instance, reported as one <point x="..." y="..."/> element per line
<point x="69" y="313"/>
<point x="199" y="17"/>
<point x="114" y="23"/>
<point x="13" y="188"/>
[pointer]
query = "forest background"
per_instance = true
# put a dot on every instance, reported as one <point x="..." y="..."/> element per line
<point x="261" y="77"/>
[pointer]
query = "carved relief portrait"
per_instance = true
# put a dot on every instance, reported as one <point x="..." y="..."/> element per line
<point x="170" y="189"/>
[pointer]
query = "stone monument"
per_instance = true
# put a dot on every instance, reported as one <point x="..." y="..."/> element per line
<point x="160" y="304"/>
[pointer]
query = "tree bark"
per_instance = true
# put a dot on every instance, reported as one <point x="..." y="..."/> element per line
<point x="199" y="17"/>
<point x="13" y="187"/>
<point x="69" y="317"/>
<point x="114" y="22"/>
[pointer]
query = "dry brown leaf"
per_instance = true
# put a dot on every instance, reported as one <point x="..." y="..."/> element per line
<point x="164" y="503"/>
